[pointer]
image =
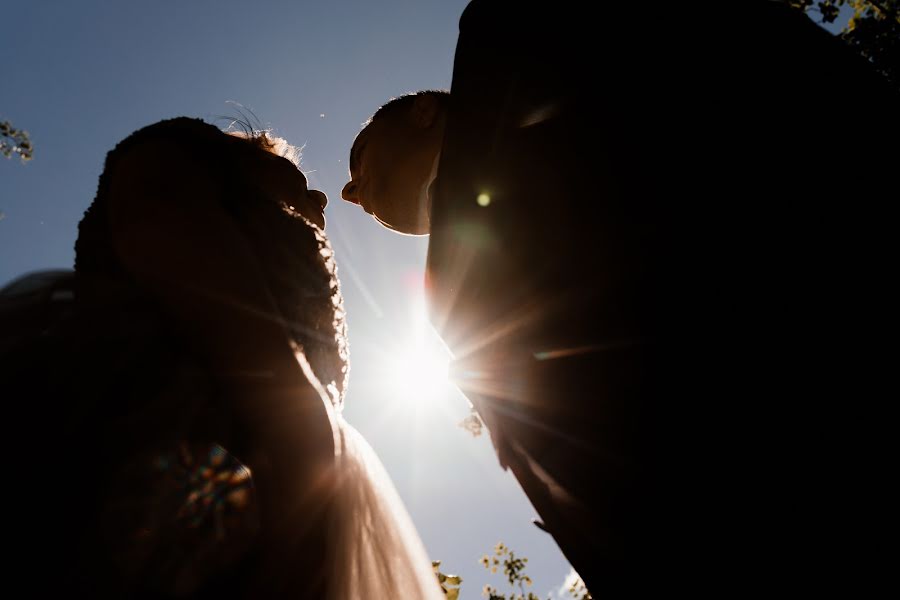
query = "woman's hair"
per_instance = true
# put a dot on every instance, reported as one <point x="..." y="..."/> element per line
<point x="264" y="139"/>
<point x="295" y="257"/>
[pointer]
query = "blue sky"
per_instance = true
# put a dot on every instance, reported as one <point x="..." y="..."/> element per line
<point x="80" y="76"/>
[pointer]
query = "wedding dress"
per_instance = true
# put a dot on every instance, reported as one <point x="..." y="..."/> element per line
<point x="376" y="550"/>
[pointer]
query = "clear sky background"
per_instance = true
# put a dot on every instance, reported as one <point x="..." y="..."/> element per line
<point x="80" y="76"/>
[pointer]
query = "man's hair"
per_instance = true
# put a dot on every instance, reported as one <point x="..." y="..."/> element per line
<point x="400" y="103"/>
<point x="405" y="102"/>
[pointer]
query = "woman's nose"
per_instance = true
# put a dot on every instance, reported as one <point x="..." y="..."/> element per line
<point x="319" y="197"/>
<point x="349" y="192"/>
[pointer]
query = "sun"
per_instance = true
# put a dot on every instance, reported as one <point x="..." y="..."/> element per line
<point x="418" y="374"/>
<point x="416" y="371"/>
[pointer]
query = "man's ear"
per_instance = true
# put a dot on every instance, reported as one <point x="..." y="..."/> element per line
<point x="425" y="110"/>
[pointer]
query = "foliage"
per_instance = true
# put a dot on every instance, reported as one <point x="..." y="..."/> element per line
<point x="473" y="423"/>
<point x="15" y="142"/>
<point x="514" y="570"/>
<point x="449" y="583"/>
<point x="873" y="30"/>
<point x="579" y="591"/>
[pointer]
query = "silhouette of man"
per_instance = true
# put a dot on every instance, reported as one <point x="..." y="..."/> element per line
<point x="649" y="285"/>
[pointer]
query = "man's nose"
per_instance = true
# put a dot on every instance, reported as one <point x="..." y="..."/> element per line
<point x="349" y="192"/>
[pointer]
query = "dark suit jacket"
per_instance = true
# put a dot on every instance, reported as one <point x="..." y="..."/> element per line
<point x="670" y="275"/>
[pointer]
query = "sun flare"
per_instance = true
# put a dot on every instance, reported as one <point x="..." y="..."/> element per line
<point x="417" y="371"/>
<point x="418" y="374"/>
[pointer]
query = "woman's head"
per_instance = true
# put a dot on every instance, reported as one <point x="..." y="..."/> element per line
<point x="267" y="197"/>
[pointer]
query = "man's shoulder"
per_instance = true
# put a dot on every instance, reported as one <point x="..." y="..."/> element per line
<point x="502" y="17"/>
<point x="475" y="12"/>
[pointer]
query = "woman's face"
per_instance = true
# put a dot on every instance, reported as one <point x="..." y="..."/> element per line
<point x="284" y="180"/>
<point x="310" y="203"/>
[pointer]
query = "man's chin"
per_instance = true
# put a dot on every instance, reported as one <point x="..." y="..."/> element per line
<point x="421" y="228"/>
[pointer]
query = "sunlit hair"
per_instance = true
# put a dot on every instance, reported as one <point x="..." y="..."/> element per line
<point x="405" y="102"/>
<point x="247" y="126"/>
<point x="265" y="140"/>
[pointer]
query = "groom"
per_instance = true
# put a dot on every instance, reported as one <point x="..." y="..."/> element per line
<point x="633" y="255"/>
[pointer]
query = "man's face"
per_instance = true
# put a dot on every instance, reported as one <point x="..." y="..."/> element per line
<point x="390" y="168"/>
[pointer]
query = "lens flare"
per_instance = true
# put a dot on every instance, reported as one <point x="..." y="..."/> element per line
<point x="417" y="371"/>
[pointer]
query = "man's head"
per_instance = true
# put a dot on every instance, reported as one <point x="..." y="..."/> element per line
<point x="394" y="158"/>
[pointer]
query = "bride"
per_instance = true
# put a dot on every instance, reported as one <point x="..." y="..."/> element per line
<point x="196" y="375"/>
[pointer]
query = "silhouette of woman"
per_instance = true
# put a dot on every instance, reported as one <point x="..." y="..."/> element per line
<point x="191" y="389"/>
